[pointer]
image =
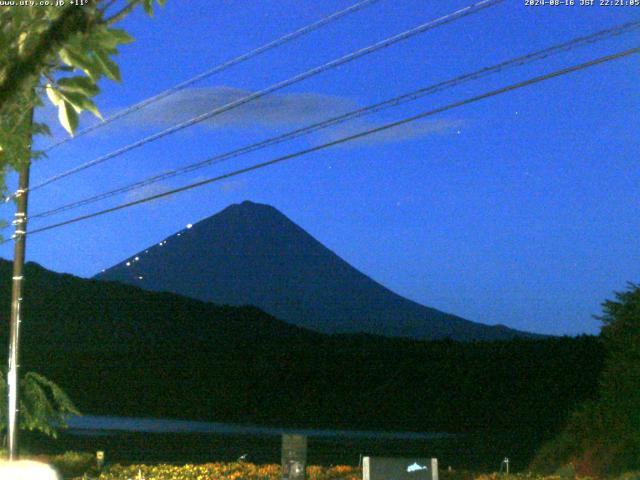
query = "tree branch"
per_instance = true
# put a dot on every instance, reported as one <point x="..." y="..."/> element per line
<point x="123" y="12"/>
<point x="71" y="21"/>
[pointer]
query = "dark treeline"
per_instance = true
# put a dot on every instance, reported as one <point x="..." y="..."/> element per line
<point x="119" y="350"/>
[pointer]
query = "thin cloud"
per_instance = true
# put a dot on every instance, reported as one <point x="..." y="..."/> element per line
<point x="276" y="112"/>
<point x="401" y="133"/>
<point x="234" y="186"/>
<point x="148" y="191"/>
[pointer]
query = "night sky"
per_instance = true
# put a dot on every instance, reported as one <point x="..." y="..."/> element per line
<point x="521" y="209"/>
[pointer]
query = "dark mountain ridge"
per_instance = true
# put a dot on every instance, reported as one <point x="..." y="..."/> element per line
<point x="251" y="254"/>
<point x="121" y="350"/>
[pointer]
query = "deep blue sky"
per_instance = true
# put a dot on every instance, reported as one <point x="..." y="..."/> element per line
<point x="521" y="210"/>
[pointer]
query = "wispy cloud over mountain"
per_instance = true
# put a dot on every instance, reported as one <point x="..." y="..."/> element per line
<point x="283" y="111"/>
<point x="410" y="131"/>
<point x="148" y="191"/>
<point x="274" y="111"/>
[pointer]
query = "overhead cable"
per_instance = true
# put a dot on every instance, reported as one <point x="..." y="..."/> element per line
<point x="463" y="12"/>
<point x="399" y="100"/>
<point x="493" y="93"/>
<point x="217" y="69"/>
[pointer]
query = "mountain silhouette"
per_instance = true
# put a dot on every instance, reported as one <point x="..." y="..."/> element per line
<point x="252" y="254"/>
<point x="121" y="350"/>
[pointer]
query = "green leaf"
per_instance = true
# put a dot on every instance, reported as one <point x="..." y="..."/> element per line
<point x="82" y="85"/>
<point x="148" y="7"/>
<point x="162" y="2"/>
<point x="90" y="106"/>
<point x="108" y="38"/>
<point x="53" y="94"/>
<point x="38" y="154"/>
<point x="21" y="42"/>
<point x="108" y="66"/>
<point x="44" y="406"/>
<point x="82" y="61"/>
<point x="81" y="102"/>
<point x="121" y="36"/>
<point x="65" y="56"/>
<point x="77" y="99"/>
<point x="39" y="128"/>
<point x="68" y="117"/>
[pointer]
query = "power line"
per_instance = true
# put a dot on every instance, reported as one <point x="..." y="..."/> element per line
<point x="414" y="95"/>
<point x="463" y="12"/>
<point x="493" y="93"/>
<point x="217" y="69"/>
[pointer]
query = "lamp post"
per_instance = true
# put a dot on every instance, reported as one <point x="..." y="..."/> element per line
<point x="19" y="249"/>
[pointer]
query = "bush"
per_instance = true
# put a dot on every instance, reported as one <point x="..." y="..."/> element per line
<point x="249" y="471"/>
<point x="603" y="436"/>
<point x="68" y="464"/>
<point x="226" y="471"/>
<point x="71" y="464"/>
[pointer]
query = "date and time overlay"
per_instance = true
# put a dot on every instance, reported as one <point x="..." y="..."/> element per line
<point x="527" y="3"/>
<point x="581" y="3"/>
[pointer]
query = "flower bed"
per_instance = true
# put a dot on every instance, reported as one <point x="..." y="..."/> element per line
<point x="250" y="471"/>
<point x="223" y="471"/>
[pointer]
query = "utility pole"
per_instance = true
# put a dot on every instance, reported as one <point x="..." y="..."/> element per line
<point x="19" y="249"/>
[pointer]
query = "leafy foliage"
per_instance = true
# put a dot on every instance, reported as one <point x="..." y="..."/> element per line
<point x="63" y="52"/>
<point x="603" y="436"/>
<point x="43" y="404"/>
<point x="70" y="463"/>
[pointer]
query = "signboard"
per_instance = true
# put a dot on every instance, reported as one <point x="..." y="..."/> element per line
<point x="294" y="457"/>
<point x="389" y="468"/>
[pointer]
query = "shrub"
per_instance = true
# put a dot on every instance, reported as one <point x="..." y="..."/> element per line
<point x="603" y="436"/>
<point x="222" y="471"/>
<point x="71" y="464"/>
